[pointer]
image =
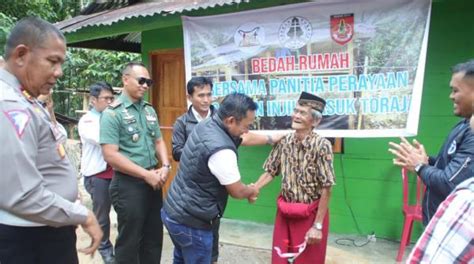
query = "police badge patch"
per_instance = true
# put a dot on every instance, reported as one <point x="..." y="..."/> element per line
<point x="19" y="119"/>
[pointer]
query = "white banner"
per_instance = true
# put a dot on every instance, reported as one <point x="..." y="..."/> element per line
<point x="365" y="57"/>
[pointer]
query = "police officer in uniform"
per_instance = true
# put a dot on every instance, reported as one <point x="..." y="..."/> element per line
<point x="38" y="183"/>
<point x="131" y="143"/>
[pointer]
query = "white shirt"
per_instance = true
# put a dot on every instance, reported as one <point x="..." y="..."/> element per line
<point x="223" y="165"/>
<point x="92" y="160"/>
<point x="198" y="116"/>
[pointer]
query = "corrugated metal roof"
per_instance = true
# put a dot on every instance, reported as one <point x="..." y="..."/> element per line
<point x="144" y="9"/>
<point x="134" y="37"/>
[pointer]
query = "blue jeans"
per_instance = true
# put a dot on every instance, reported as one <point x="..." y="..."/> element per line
<point x="191" y="245"/>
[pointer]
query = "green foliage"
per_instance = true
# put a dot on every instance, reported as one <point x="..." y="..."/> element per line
<point x="391" y="47"/>
<point x="50" y="10"/>
<point x="83" y="67"/>
<point x="6" y="24"/>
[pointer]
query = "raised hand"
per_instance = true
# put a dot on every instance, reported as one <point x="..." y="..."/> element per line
<point x="408" y="155"/>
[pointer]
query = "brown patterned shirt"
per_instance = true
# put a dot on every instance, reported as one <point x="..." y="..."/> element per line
<point x="306" y="166"/>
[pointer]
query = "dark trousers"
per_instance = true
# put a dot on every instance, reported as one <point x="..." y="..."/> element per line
<point x="215" y="241"/>
<point x="98" y="189"/>
<point x="38" y="245"/>
<point x="140" y="230"/>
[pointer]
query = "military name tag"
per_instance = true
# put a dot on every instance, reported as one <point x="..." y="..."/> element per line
<point x="130" y="121"/>
<point x="58" y="135"/>
<point x="150" y="118"/>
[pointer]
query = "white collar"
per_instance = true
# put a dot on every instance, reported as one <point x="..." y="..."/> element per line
<point x="198" y="116"/>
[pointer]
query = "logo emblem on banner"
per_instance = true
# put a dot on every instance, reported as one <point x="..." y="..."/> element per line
<point x="342" y="28"/>
<point x="295" y="32"/>
<point x="249" y="37"/>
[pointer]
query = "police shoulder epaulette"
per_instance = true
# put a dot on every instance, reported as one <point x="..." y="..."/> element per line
<point x="5" y="94"/>
<point x="8" y="95"/>
<point x="147" y="103"/>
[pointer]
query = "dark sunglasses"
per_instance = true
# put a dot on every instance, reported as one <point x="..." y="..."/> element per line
<point x="143" y="80"/>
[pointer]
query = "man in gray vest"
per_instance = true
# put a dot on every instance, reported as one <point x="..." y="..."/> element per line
<point x="199" y="93"/>
<point x="207" y="174"/>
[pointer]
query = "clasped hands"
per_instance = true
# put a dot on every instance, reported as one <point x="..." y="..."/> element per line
<point x="252" y="198"/>
<point x="408" y="155"/>
<point x="156" y="178"/>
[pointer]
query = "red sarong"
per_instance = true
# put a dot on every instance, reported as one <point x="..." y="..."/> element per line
<point x="290" y="231"/>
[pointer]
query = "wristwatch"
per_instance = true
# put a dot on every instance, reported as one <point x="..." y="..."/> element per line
<point x="318" y="226"/>
<point x="418" y="167"/>
<point x="168" y="166"/>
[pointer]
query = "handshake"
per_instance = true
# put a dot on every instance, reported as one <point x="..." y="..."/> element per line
<point x="255" y="190"/>
<point x="156" y="178"/>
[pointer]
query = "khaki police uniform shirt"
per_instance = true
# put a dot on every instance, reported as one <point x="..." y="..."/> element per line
<point x="134" y="128"/>
<point x="306" y="166"/>
<point x="38" y="184"/>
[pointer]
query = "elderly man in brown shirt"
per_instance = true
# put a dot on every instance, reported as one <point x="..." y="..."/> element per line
<point x="305" y="161"/>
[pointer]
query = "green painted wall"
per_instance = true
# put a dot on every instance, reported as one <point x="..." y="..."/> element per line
<point x="368" y="193"/>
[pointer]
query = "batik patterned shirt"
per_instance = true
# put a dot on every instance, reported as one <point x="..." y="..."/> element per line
<point x="306" y="166"/>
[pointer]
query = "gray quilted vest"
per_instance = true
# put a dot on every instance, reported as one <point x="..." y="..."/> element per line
<point x="196" y="198"/>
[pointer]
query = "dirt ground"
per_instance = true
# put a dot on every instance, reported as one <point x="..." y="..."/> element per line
<point x="230" y="254"/>
<point x="250" y="243"/>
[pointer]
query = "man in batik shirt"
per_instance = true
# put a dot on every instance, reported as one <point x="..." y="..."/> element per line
<point x="305" y="161"/>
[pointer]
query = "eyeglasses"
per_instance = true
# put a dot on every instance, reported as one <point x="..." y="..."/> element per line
<point x="107" y="98"/>
<point x="143" y="80"/>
